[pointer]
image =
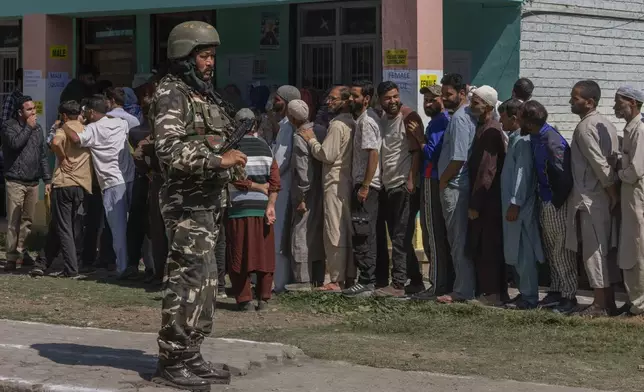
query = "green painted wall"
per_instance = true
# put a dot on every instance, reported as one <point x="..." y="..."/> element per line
<point x="492" y="35"/>
<point x="240" y="31"/>
<point x="143" y="43"/>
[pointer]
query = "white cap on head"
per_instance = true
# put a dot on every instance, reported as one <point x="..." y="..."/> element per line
<point x="487" y="94"/>
<point x="298" y="109"/>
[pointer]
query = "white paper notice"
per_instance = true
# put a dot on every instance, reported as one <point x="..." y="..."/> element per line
<point x="56" y="83"/>
<point x="407" y="82"/>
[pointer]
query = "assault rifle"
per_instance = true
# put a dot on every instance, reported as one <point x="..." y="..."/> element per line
<point x="241" y="129"/>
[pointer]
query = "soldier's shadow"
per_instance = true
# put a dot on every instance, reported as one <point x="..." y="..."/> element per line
<point x="96" y="356"/>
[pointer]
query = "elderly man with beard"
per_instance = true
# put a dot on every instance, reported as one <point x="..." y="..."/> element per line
<point x="485" y="230"/>
<point x="400" y="160"/>
<point x="335" y="155"/>
<point x="282" y="151"/>
<point x="455" y="184"/>
<point x="594" y="195"/>
<point x="367" y="183"/>
<point x="628" y="105"/>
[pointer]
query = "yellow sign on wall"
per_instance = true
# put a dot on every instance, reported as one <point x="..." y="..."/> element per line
<point x="428" y="80"/>
<point x="39" y="106"/>
<point x="58" y="52"/>
<point x="396" y="57"/>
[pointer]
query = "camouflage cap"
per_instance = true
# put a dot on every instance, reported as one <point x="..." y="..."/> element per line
<point x="188" y="35"/>
<point x="434" y="90"/>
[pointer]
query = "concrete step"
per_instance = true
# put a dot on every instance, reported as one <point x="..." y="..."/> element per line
<point x="45" y="357"/>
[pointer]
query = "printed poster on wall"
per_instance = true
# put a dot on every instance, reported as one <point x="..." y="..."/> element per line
<point x="396" y="57"/>
<point x="56" y="83"/>
<point x="270" y="31"/>
<point x="407" y="84"/>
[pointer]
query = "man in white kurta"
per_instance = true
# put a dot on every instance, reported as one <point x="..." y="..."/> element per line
<point x="594" y="195"/>
<point x="628" y="105"/>
<point x="282" y="150"/>
<point x="335" y="154"/>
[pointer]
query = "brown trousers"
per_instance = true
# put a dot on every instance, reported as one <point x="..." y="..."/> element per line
<point x="21" y="208"/>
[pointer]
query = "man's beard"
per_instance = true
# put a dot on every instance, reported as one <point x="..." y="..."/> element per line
<point x="356" y="108"/>
<point x="393" y="108"/>
<point x="206" y="75"/>
<point x="278" y="107"/>
<point x="431" y="112"/>
<point x="452" y="104"/>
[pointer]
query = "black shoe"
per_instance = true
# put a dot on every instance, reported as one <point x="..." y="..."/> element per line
<point x="207" y="371"/>
<point x="414" y="288"/>
<point x="128" y="274"/>
<point x="11" y="266"/>
<point x="425" y="295"/>
<point x="521" y="304"/>
<point x="27" y="260"/>
<point x="87" y="269"/>
<point x="359" y="290"/>
<point x="179" y="376"/>
<point x="244" y="306"/>
<point x="551" y="300"/>
<point x="566" y="306"/>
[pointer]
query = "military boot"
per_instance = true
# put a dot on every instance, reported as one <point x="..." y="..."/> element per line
<point x="207" y="371"/>
<point x="178" y="375"/>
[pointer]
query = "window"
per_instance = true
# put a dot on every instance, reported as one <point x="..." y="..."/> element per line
<point x="339" y="43"/>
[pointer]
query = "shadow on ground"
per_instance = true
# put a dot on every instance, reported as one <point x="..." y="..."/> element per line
<point x="83" y="355"/>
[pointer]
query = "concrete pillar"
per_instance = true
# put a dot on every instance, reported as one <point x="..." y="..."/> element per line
<point x="47" y="47"/>
<point x="412" y="44"/>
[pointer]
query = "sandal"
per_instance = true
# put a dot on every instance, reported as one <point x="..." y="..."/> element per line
<point x="330" y="287"/>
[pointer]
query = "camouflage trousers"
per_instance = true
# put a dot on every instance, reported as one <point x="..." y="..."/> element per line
<point x="190" y="282"/>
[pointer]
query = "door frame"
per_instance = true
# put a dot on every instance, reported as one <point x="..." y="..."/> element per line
<point x="339" y="38"/>
<point x="85" y="49"/>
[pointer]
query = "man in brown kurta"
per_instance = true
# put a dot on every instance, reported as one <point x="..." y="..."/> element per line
<point x="628" y="105"/>
<point x="594" y="195"/>
<point x="335" y="155"/>
<point x="485" y="231"/>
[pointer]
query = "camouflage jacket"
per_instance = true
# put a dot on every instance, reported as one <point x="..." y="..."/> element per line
<point x="188" y="131"/>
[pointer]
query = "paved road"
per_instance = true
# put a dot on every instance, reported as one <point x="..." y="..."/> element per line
<point x="46" y="357"/>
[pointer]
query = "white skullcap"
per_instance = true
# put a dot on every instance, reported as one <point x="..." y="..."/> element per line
<point x="244" y="114"/>
<point x="487" y="94"/>
<point x="298" y="109"/>
<point x="632" y="93"/>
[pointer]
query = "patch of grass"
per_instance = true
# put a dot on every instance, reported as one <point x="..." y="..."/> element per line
<point x="467" y="339"/>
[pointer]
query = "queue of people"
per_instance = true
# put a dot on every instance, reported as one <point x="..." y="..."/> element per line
<point x="498" y="189"/>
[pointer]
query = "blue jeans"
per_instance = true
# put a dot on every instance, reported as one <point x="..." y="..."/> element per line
<point x="116" y="201"/>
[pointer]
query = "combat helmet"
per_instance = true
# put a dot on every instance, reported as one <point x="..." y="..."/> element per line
<point x="188" y="35"/>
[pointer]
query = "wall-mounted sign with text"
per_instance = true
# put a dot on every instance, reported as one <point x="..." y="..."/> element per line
<point x="58" y="52"/>
<point x="396" y="57"/>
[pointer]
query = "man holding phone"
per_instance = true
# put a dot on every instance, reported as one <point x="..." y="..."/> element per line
<point x="25" y="164"/>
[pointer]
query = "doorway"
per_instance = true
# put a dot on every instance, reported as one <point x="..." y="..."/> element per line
<point x="108" y="44"/>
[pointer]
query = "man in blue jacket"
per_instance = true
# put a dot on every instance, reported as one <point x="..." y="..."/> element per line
<point x="554" y="177"/>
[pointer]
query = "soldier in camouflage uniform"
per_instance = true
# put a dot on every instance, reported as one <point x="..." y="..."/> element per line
<point x="190" y="124"/>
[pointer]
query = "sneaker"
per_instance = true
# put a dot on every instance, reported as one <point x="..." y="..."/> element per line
<point x="566" y="306"/>
<point x="521" y="304"/>
<point x="390" y="291"/>
<point x="414" y="288"/>
<point x="551" y="300"/>
<point x="425" y="295"/>
<point x="36" y="272"/>
<point x="222" y="294"/>
<point x="359" y="290"/>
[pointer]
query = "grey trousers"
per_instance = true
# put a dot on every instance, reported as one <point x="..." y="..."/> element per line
<point x="455" y="204"/>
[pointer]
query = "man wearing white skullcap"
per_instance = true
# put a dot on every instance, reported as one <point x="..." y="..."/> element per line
<point x="594" y="195"/>
<point x="628" y="106"/>
<point x="307" y="224"/>
<point x="485" y="232"/>
<point x="282" y="150"/>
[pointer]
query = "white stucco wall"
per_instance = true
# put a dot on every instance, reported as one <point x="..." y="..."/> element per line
<point x="564" y="41"/>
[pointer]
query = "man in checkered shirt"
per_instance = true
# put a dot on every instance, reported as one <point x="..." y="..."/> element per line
<point x="10" y="105"/>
